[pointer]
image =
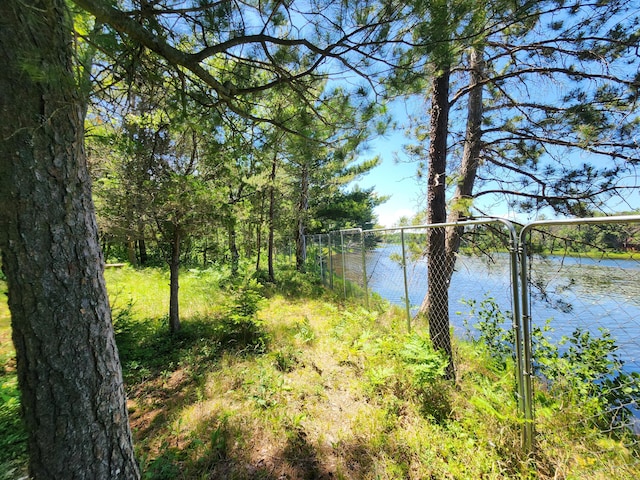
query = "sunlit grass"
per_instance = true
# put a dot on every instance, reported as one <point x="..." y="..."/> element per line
<point x="329" y="396"/>
<point x="317" y="412"/>
<point x="147" y="290"/>
<point x="12" y="434"/>
<point x="6" y="346"/>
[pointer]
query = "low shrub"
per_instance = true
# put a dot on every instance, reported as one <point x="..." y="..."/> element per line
<point x="582" y="368"/>
<point x="239" y="327"/>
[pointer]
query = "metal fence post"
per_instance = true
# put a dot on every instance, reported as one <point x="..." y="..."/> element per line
<point x="330" y="263"/>
<point x="364" y="269"/>
<point x="344" y="266"/>
<point x="526" y="363"/>
<point x="524" y="400"/>
<point x="406" y="284"/>
<point x="320" y="258"/>
<point x="522" y="269"/>
<point x="527" y="354"/>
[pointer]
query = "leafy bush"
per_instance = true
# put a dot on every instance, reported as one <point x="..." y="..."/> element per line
<point x="285" y="360"/>
<point x="586" y="369"/>
<point x="621" y="395"/>
<point x="583" y="367"/>
<point x="490" y="328"/>
<point x="304" y="331"/>
<point x="580" y="361"/>
<point x="294" y="284"/>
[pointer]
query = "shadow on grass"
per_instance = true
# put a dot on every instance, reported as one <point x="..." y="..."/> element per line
<point x="166" y="373"/>
<point x="148" y="350"/>
<point x="221" y="453"/>
<point x="292" y="284"/>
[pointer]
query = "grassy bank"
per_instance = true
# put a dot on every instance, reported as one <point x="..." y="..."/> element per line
<point x="274" y="382"/>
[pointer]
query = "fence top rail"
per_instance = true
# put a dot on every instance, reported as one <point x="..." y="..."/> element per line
<point x="471" y="221"/>
<point x="578" y="221"/>
<point x="508" y="223"/>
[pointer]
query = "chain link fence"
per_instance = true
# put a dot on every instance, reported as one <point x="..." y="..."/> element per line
<point x="568" y="290"/>
<point x="284" y="254"/>
<point x="393" y="264"/>
<point x="581" y="309"/>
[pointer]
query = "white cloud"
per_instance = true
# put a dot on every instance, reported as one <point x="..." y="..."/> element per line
<point x="389" y="217"/>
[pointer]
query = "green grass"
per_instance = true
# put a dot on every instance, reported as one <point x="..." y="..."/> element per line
<point x="147" y="290"/>
<point x="6" y="347"/>
<point x="591" y="254"/>
<point x="12" y="434"/>
<point x="299" y="386"/>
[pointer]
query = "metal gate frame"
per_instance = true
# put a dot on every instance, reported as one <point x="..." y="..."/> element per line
<point x="526" y="318"/>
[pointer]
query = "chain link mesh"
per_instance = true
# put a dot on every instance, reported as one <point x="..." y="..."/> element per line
<point x="395" y="266"/>
<point x="585" y="309"/>
<point x="284" y="253"/>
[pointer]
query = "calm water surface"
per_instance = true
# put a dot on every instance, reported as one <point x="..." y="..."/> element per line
<point x="569" y="292"/>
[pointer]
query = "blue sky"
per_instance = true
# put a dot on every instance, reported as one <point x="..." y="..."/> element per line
<point x="398" y="181"/>
<point x="393" y="179"/>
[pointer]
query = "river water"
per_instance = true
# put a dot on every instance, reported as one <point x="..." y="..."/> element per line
<point x="570" y="292"/>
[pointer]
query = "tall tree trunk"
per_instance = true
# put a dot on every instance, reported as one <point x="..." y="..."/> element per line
<point x="439" y="267"/>
<point x="248" y="243"/>
<point x="303" y="207"/>
<point x="131" y="252"/>
<point x="272" y="214"/>
<point x="68" y="369"/>
<point x="174" y="281"/>
<point x="233" y="248"/>
<point x="142" y="245"/>
<point x="106" y="248"/>
<point x="259" y="224"/>
<point x="142" y="249"/>
<point x="258" y="245"/>
<point x="463" y="195"/>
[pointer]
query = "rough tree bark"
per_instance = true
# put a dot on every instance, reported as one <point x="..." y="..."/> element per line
<point x="272" y="216"/>
<point x="436" y="303"/>
<point x="444" y="243"/>
<point x="174" y="281"/>
<point x="142" y="244"/>
<point x="258" y="227"/>
<point x="69" y="373"/>
<point x="467" y="173"/>
<point x="233" y="248"/>
<point x="303" y="207"/>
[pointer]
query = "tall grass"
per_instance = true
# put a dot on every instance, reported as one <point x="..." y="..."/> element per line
<point x="283" y="382"/>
